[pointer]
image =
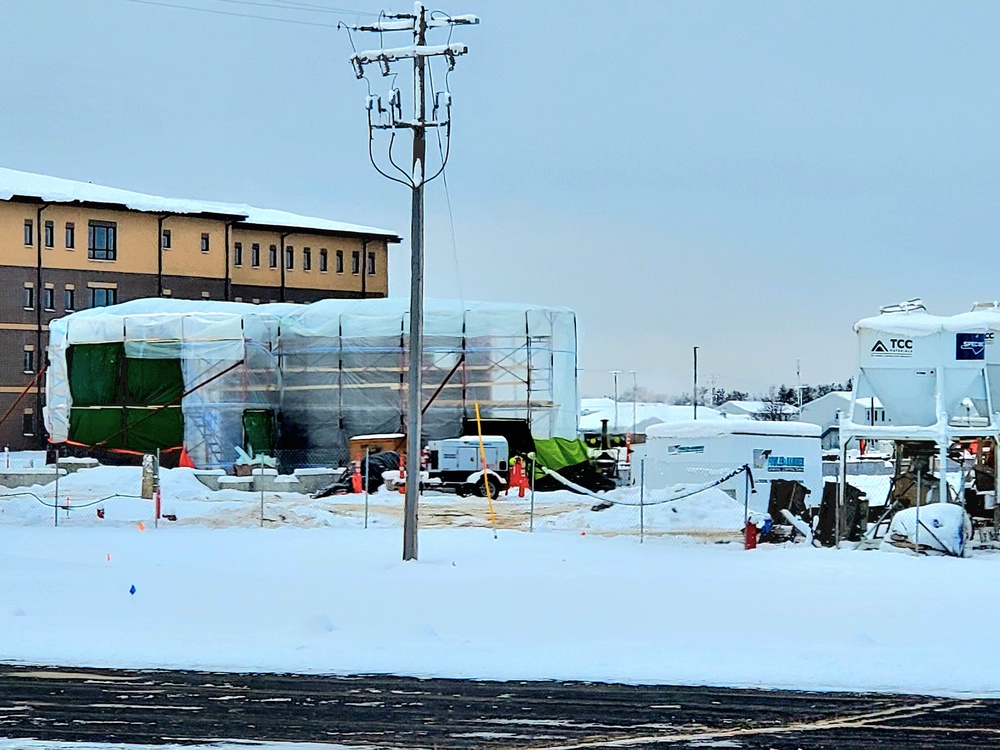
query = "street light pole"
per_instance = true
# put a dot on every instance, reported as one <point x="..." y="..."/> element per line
<point x="616" y="373"/>
<point x="635" y="390"/>
<point x="695" y="394"/>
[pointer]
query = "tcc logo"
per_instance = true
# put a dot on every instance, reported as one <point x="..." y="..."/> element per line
<point x="896" y="346"/>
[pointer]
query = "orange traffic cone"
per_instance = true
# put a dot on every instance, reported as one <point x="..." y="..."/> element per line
<point x="402" y="474"/>
<point x="185" y="459"/>
<point x="356" y="478"/>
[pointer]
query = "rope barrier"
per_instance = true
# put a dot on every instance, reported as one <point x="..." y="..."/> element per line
<point x="688" y="493"/>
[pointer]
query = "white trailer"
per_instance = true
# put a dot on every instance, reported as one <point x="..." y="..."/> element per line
<point x="696" y="452"/>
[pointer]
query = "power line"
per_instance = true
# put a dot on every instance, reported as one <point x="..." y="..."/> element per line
<point x="246" y="15"/>
<point x="328" y="9"/>
<point x="293" y="5"/>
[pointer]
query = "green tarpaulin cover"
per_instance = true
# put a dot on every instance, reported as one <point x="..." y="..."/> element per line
<point x="153" y="381"/>
<point x="558" y="453"/>
<point x="95" y="373"/>
<point x="101" y="375"/>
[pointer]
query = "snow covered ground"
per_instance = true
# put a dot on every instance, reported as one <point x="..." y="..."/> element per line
<point x="573" y="600"/>
<point x="580" y="598"/>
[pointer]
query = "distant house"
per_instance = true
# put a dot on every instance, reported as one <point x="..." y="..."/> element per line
<point x="754" y="409"/>
<point x="825" y="411"/>
<point x="593" y="410"/>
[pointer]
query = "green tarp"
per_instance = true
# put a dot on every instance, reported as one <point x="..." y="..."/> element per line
<point x="146" y="433"/>
<point x="101" y="375"/>
<point x="91" y="426"/>
<point x="259" y="431"/>
<point x="558" y="453"/>
<point x="95" y="373"/>
<point x="153" y="381"/>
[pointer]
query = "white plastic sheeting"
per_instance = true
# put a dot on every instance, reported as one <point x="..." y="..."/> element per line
<point x="335" y="368"/>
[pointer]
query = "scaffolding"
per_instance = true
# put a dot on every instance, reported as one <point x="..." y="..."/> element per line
<point x="325" y="372"/>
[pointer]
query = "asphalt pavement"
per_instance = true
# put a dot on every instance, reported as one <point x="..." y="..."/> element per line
<point x="97" y="705"/>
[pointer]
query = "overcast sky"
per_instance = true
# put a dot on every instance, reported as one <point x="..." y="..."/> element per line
<point x="751" y="178"/>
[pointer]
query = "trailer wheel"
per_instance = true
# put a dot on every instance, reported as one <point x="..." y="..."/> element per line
<point x="481" y="488"/>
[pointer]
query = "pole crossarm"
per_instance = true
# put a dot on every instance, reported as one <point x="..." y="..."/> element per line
<point x="404" y="22"/>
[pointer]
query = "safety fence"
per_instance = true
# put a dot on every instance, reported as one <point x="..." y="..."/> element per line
<point x="649" y="499"/>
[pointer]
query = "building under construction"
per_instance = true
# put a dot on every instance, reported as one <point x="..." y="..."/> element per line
<point x="298" y="381"/>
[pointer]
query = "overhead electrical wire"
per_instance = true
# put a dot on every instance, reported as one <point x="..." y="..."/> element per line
<point x="298" y="22"/>
<point x="444" y="180"/>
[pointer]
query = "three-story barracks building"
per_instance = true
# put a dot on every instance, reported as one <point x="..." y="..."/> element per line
<point x="68" y="245"/>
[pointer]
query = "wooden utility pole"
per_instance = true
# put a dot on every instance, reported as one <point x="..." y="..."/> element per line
<point x="390" y="117"/>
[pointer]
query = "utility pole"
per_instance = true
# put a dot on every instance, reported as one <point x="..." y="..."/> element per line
<point x="798" y="378"/>
<point x="695" y="392"/>
<point x="389" y="116"/>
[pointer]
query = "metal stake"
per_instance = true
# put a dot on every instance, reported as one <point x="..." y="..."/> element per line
<point x="367" y="469"/>
<point x="55" y="503"/>
<point x="531" y="518"/>
<point x="642" y="499"/>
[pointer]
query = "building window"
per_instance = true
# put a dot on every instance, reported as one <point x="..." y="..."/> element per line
<point x="101" y="240"/>
<point x="322" y="260"/>
<point x="204" y="242"/>
<point x="371" y="264"/>
<point x="237" y="299"/>
<point x="307" y="259"/>
<point x="70" y="299"/>
<point x="29" y="297"/>
<point x="356" y="262"/>
<point x="238" y="254"/>
<point x="272" y="257"/>
<point x="29" y="360"/>
<point x="29" y="232"/>
<point x="165" y="239"/>
<point x="28" y="423"/>
<point x="340" y="261"/>
<point x="255" y="255"/>
<point x="289" y="257"/>
<point x="49" y="298"/>
<point x="205" y="295"/>
<point x="70" y="235"/>
<point x="50" y="234"/>
<point x="103" y="296"/>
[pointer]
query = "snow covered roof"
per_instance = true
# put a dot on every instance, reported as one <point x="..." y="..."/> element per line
<point x="593" y="410"/>
<point x="58" y="190"/>
<point x="753" y="407"/>
<point x="714" y="428"/>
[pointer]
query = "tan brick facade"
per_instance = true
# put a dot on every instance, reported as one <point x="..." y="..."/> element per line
<point x="59" y="257"/>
